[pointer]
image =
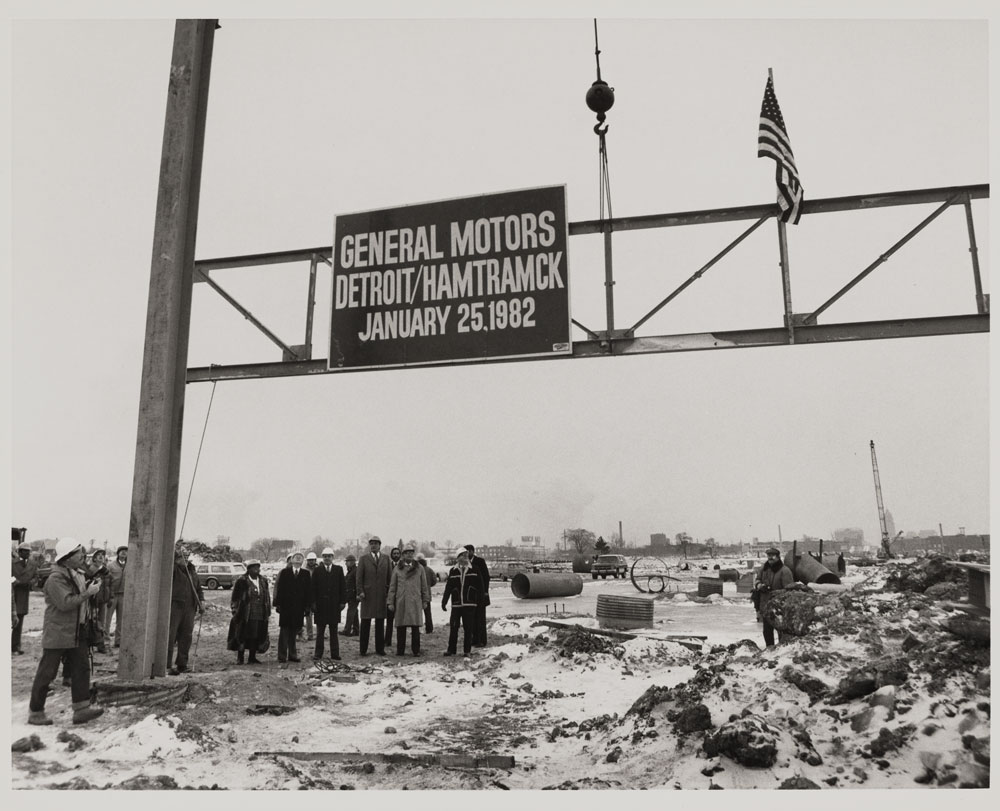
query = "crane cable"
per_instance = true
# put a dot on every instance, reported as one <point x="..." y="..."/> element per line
<point x="197" y="458"/>
<point x="606" y="100"/>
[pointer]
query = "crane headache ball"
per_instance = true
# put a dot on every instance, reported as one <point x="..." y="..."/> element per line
<point x="600" y="98"/>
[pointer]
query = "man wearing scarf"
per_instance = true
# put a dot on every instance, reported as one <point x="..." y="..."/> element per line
<point x="292" y="598"/>
<point x="773" y="576"/>
<point x="251" y="607"/>
<point x="328" y="599"/>
<point x="408" y="594"/>
<point x="186" y="600"/>
<point x="66" y="612"/>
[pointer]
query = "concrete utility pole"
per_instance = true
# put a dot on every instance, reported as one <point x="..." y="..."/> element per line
<point x="164" y="363"/>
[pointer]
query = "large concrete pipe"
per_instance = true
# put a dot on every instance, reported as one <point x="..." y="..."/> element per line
<point x="807" y="569"/>
<point x="538" y="585"/>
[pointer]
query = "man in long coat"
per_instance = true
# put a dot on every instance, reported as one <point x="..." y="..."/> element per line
<point x="773" y="576"/>
<point x="116" y="570"/>
<point x="431" y="580"/>
<point x="66" y="611"/>
<point x="480" y="568"/>
<point x="292" y="599"/>
<point x="351" y="624"/>
<point x="24" y="570"/>
<point x="408" y="595"/>
<point x="310" y="566"/>
<point x="186" y="600"/>
<point x="374" y="570"/>
<point x="328" y="599"/>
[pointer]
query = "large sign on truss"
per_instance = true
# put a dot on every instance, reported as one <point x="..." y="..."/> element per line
<point x="467" y="279"/>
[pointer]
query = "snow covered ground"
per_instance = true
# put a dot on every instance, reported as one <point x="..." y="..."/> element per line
<point x="573" y="709"/>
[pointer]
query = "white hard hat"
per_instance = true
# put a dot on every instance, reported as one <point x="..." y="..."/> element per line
<point x="66" y="547"/>
<point x="311" y="556"/>
<point x="327" y="551"/>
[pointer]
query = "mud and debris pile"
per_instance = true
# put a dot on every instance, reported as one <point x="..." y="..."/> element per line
<point x="877" y="689"/>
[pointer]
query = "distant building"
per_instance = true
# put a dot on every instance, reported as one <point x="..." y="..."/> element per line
<point x="890" y="524"/>
<point x="659" y="540"/>
<point x="852" y="536"/>
<point x="948" y="544"/>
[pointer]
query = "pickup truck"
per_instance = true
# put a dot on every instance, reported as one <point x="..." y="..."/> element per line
<point x="614" y="565"/>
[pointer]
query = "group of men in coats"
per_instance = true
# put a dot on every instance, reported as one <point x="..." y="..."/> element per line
<point x="387" y="590"/>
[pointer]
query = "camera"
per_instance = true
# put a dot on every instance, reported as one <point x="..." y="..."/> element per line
<point x="98" y="575"/>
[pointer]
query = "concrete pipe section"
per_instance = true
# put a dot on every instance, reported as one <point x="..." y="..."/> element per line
<point x="807" y="569"/>
<point x="539" y="585"/>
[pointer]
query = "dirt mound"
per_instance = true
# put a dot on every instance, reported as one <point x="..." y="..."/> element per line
<point x="925" y="573"/>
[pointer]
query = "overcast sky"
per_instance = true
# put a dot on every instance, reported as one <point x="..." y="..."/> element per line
<point x="312" y="118"/>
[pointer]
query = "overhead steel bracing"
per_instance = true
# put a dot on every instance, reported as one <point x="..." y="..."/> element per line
<point x="797" y="328"/>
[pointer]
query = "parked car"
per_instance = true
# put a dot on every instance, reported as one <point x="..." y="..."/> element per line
<point x="44" y="560"/>
<point x="614" y="565"/>
<point x="511" y="569"/>
<point x="219" y="575"/>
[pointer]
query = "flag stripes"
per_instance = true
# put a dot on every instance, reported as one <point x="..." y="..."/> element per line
<point x="773" y="143"/>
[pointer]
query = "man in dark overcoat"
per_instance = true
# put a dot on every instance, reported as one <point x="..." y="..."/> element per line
<point x="773" y="576"/>
<point x="328" y="600"/>
<point x="374" y="570"/>
<point x="310" y="566"/>
<point x="24" y="570"/>
<point x="292" y="599"/>
<point x="186" y="600"/>
<point x="351" y="623"/>
<point x="116" y="571"/>
<point x="480" y="568"/>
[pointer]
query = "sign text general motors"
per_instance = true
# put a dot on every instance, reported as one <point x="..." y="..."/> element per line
<point x="454" y="280"/>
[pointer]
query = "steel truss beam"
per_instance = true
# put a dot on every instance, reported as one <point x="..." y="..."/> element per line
<point x="798" y="328"/>
<point x="690" y="342"/>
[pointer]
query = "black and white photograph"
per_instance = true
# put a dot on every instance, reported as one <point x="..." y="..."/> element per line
<point x="488" y="397"/>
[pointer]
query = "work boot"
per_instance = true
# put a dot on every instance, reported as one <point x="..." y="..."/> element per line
<point x="239" y="658"/>
<point x="39" y="718"/>
<point x="253" y="660"/>
<point x="82" y="716"/>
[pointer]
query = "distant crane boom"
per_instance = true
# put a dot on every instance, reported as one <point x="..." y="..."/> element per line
<point x="886" y="543"/>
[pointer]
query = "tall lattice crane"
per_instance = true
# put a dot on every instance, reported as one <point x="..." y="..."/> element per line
<point x="886" y="550"/>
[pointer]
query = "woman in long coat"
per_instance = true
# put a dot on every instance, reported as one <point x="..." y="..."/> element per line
<point x="251" y="605"/>
<point x="409" y="594"/>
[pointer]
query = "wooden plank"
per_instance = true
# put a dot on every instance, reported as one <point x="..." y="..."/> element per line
<point x="459" y="761"/>
<point x="615" y="634"/>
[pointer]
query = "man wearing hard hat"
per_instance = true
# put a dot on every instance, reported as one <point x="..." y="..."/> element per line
<point x="67" y="596"/>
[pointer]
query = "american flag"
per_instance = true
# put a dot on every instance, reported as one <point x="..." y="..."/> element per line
<point x="772" y="142"/>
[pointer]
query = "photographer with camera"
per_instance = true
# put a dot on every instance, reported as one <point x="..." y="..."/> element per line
<point x="773" y="576"/>
<point x="67" y="609"/>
